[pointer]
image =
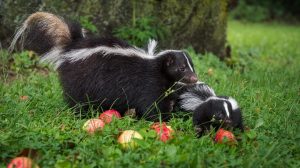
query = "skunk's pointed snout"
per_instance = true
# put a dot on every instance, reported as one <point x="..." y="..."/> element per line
<point x="227" y="121"/>
<point x="193" y="79"/>
<point x="190" y="79"/>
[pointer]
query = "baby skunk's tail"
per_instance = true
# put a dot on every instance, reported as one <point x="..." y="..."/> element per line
<point x="43" y="31"/>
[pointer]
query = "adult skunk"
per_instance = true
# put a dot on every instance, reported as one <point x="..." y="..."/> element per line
<point x="106" y="72"/>
<point x="208" y="109"/>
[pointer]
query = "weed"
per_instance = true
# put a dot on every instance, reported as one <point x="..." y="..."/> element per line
<point x="85" y="22"/>
<point x="141" y="31"/>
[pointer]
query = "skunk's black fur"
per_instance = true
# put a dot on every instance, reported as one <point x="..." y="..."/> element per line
<point x="208" y="109"/>
<point x="107" y="72"/>
<point x="119" y="82"/>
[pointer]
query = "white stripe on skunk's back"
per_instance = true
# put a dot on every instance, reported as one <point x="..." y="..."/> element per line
<point x="82" y="54"/>
<point x="57" y="56"/>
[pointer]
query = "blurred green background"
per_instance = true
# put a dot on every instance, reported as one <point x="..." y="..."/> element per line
<point x="200" y="24"/>
<point x="175" y="23"/>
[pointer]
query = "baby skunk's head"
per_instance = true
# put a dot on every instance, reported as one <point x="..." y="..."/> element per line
<point x="219" y="112"/>
<point x="178" y="67"/>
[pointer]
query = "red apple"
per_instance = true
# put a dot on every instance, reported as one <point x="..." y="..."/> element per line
<point x="108" y="115"/>
<point x="23" y="98"/>
<point x="126" y="139"/>
<point x="22" y="162"/>
<point x="93" y="125"/>
<point x="163" y="131"/>
<point x="222" y="134"/>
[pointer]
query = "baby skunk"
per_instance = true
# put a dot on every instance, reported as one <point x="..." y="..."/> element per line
<point x="106" y="72"/>
<point x="209" y="109"/>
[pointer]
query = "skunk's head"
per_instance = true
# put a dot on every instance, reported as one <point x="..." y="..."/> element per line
<point x="218" y="112"/>
<point x="178" y="66"/>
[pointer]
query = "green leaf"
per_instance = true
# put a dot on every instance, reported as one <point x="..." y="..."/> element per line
<point x="259" y="123"/>
<point x="171" y="151"/>
<point x="147" y="133"/>
<point x="63" y="164"/>
<point x="251" y="134"/>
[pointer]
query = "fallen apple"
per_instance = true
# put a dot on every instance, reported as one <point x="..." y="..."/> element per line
<point x="23" y="98"/>
<point x="93" y="125"/>
<point x="108" y="115"/>
<point x="22" y="162"/>
<point x="163" y="131"/>
<point x="222" y="134"/>
<point x="126" y="139"/>
<point x="210" y="72"/>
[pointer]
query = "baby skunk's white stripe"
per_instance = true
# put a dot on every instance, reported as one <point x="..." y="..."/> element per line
<point x="214" y="98"/>
<point x="152" y="46"/>
<point x="190" y="101"/>
<point x="188" y="62"/>
<point x="233" y="103"/>
<point x="226" y="109"/>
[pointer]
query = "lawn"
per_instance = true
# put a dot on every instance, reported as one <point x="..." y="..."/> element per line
<point x="263" y="75"/>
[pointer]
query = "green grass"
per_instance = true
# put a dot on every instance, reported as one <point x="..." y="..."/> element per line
<point x="264" y="79"/>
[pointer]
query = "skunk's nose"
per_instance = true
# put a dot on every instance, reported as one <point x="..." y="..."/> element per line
<point x="190" y="79"/>
<point x="227" y="121"/>
<point x="193" y="79"/>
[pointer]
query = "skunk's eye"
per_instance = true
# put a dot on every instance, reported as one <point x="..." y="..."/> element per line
<point x="182" y="69"/>
<point x="220" y="115"/>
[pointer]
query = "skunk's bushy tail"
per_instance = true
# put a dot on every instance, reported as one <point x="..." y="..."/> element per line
<point x="194" y="95"/>
<point x="42" y="31"/>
